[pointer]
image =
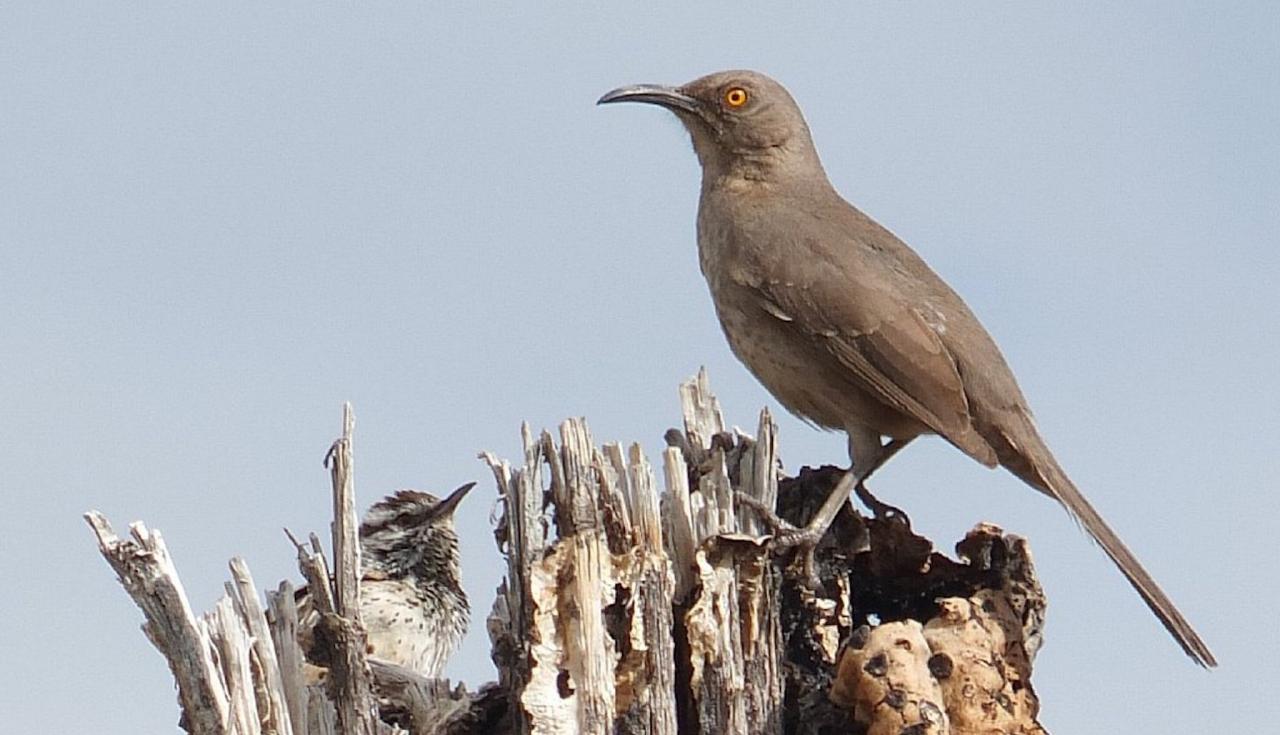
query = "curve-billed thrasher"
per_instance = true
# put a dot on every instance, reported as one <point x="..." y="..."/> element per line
<point x="845" y="324"/>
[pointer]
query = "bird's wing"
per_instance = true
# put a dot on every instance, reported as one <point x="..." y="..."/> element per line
<point x="886" y="346"/>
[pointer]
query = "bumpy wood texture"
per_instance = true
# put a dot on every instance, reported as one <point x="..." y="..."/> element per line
<point x="629" y="610"/>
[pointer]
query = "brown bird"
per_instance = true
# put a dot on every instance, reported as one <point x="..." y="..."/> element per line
<point x="844" y="323"/>
<point x="411" y="598"/>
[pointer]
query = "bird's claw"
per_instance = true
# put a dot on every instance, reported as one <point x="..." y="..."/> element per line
<point x="785" y="535"/>
<point x="881" y="510"/>
<point x="777" y="525"/>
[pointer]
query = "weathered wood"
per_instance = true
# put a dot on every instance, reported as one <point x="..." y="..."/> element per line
<point x="701" y="409"/>
<point x="522" y="534"/>
<point x="225" y="661"/>
<point x="981" y="619"/>
<point x="349" y="680"/>
<point x="730" y="620"/>
<point x="322" y="717"/>
<point x="646" y="673"/>
<point x="628" y="612"/>
<point x="273" y="704"/>
<point x="432" y="707"/>
<point x="147" y="573"/>
<point x="760" y="470"/>
<point x="346" y="522"/>
<point x="231" y="640"/>
<point x="315" y="569"/>
<point x="241" y="670"/>
<point x="597" y="610"/>
<point x="885" y="680"/>
<point x="602" y="598"/>
<point x="967" y="670"/>
<point x="678" y="524"/>
<point x="282" y="619"/>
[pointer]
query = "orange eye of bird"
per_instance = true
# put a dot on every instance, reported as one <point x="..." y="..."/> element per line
<point x="735" y="97"/>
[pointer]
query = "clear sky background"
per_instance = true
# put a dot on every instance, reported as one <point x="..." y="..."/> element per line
<point x="217" y="224"/>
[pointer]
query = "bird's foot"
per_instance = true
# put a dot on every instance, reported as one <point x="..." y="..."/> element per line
<point x="785" y="536"/>
<point x="881" y="510"/>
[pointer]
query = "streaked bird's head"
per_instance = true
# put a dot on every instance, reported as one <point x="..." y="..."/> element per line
<point x="412" y="533"/>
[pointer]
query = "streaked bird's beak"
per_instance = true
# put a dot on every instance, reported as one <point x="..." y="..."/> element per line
<point x="654" y="94"/>
<point x="450" y="503"/>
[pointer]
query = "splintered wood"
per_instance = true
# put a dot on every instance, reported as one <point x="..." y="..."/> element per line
<point x="576" y="630"/>
<point x="602" y="577"/>
<point x="147" y="572"/>
<point x="626" y="610"/>
<point x="238" y="667"/>
<point x="225" y="663"/>
<point x="349" y="681"/>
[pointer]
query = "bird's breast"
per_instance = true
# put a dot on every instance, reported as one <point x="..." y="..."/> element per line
<point x="742" y="251"/>
<point x="761" y="334"/>
<point x="408" y="628"/>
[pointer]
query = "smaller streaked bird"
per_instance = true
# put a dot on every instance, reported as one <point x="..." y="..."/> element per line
<point x="411" y="598"/>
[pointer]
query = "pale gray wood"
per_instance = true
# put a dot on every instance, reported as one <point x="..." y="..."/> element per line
<point x="617" y="496"/>
<point x="607" y="574"/>
<point x="282" y="617"/>
<point x="147" y="573"/>
<point x="522" y="535"/>
<point x="760" y="582"/>
<point x="681" y="540"/>
<point x="652" y="686"/>
<point x="702" y="416"/>
<point x="760" y="467"/>
<point x="353" y="693"/>
<point x="590" y="652"/>
<point x="322" y="717"/>
<point x="275" y="710"/>
<point x="227" y="632"/>
<point x="431" y="704"/>
<point x="346" y="522"/>
<point x="735" y="640"/>
<point x="315" y="569"/>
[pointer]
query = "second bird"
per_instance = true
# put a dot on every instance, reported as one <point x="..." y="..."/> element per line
<point x="411" y="598"/>
<point x="843" y="323"/>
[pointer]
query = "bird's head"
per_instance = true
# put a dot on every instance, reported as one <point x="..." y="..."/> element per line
<point x="412" y="532"/>
<point x="742" y="123"/>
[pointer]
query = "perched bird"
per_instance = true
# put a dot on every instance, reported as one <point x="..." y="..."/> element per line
<point x="843" y="323"/>
<point x="411" y="598"/>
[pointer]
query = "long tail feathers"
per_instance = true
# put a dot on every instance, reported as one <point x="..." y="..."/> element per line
<point x="1035" y="465"/>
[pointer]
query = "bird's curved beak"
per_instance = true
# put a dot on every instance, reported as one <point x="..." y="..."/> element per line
<point x="450" y="503"/>
<point x="654" y="94"/>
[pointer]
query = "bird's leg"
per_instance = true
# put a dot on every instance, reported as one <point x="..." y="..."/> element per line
<point x="805" y="539"/>
<point x="880" y="509"/>
<point x="809" y="536"/>
<point x="863" y="445"/>
<point x="875" y="505"/>
<point x="778" y="525"/>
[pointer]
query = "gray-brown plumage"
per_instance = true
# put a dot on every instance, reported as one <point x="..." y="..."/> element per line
<point x="845" y="324"/>
<point x="414" y="609"/>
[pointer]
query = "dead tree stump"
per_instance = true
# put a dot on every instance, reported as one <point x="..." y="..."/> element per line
<point x="629" y="610"/>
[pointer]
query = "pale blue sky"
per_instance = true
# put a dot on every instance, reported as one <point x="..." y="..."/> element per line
<point x="218" y="224"/>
